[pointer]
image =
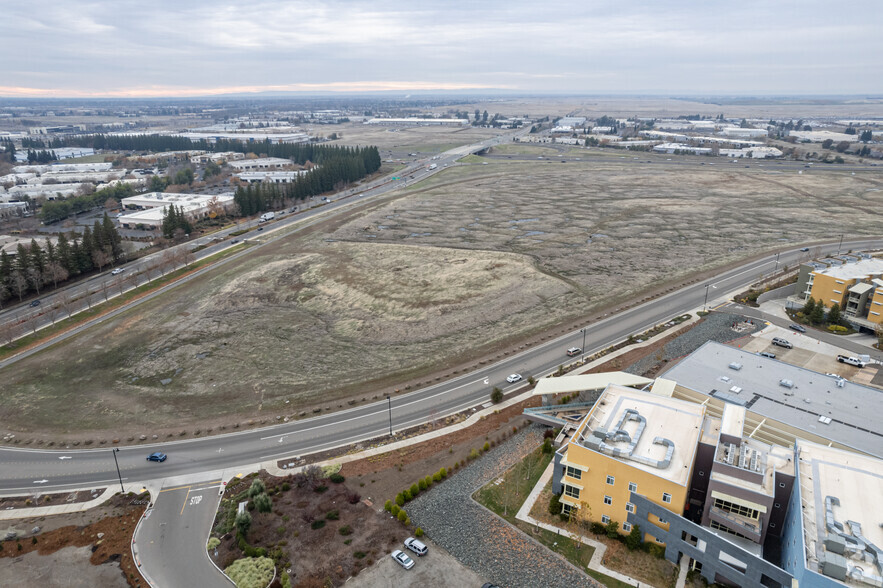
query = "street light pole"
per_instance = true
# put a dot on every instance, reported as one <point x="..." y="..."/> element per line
<point x="775" y="269"/>
<point x="705" y="304"/>
<point x="119" y="475"/>
<point x="583" y="348"/>
<point x="389" y="403"/>
<point x="839" y="244"/>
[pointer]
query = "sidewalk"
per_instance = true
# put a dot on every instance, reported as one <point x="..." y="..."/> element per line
<point x="600" y="548"/>
<point x="42" y="511"/>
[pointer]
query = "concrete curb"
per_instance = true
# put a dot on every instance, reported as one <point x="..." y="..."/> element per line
<point x="42" y="511"/>
<point x="134" y="549"/>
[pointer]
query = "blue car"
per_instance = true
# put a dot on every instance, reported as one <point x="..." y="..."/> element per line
<point x="157" y="457"/>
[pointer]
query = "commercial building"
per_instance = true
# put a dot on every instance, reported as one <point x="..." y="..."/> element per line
<point x="271" y="177"/>
<point x="751" y="152"/>
<point x="854" y="282"/>
<point x="740" y="133"/>
<point x="681" y="148"/>
<point x="261" y="163"/>
<point x="150" y="208"/>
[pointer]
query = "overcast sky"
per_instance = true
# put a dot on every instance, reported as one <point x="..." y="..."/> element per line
<point x="195" y="47"/>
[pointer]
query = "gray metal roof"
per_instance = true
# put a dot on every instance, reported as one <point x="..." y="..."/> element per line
<point x="854" y="410"/>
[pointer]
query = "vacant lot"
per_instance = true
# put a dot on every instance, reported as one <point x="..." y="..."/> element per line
<point x="416" y="139"/>
<point x="483" y="256"/>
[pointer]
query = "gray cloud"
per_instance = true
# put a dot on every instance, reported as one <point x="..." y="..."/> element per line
<point x="124" y="47"/>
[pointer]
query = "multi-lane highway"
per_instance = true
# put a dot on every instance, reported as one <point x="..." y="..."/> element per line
<point x="23" y="468"/>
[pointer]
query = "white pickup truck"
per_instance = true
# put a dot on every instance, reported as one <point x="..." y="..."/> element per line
<point x="267" y="216"/>
<point x="851" y="360"/>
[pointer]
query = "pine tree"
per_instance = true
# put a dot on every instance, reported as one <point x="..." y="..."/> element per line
<point x="834" y="314"/>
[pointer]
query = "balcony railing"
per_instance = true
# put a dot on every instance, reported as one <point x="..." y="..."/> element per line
<point x="740" y="524"/>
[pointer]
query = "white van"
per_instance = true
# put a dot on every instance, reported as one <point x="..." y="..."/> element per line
<point x="417" y="547"/>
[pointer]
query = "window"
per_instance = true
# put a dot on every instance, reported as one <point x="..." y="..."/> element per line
<point x="574" y="473"/>
<point x="567" y="508"/>
<point x="720" y="527"/>
<point x="626" y="526"/>
<point x="611" y="480"/>
<point x="629" y="507"/>
<point x="608" y="500"/>
<point x="571" y="491"/>
<point x="605" y="519"/>
<point x="738" y="509"/>
<point x="666" y="497"/>
<point x="662" y="521"/>
<point x="633" y="487"/>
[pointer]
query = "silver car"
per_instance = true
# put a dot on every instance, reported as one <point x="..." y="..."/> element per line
<point x="402" y="559"/>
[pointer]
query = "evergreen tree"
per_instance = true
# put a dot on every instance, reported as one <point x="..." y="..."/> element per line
<point x="834" y="314"/>
<point x="817" y="316"/>
<point x="115" y="241"/>
<point x="64" y="255"/>
<point x="87" y="247"/>
<point x="22" y="259"/>
<point x="809" y="307"/>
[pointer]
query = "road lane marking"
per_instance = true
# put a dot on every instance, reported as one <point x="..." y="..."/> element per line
<point x="183" y="506"/>
<point x="175" y="488"/>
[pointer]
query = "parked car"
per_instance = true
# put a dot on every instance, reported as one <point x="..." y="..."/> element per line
<point x="416" y="546"/>
<point x="851" y="360"/>
<point x="513" y="378"/>
<point x="767" y="354"/>
<point x="573" y="351"/>
<point x="157" y="456"/>
<point x="402" y="559"/>
<point x="782" y="343"/>
<point x="797" y="328"/>
<point x="804" y="249"/>
<point x="117" y="271"/>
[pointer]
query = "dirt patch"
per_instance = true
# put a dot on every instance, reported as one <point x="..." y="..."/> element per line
<point x="107" y="533"/>
<point x="37" y="499"/>
<point x="322" y="531"/>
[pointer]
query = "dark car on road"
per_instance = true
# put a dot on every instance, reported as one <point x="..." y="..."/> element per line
<point x="157" y="456"/>
<point x="797" y="328"/>
<point x="35" y="303"/>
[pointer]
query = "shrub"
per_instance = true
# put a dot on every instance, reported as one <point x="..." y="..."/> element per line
<point x="415" y="490"/>
<point x="395" y="510"/>
<point x="487" y="446"/>
<point x="387" y="506"/>
<point x="345" y="530"/>
<point x="243" y="522"/>
<point x="257" y="487"/>
<point x="837" y="329"/>
<point x="286" y="580"/>
<point x="402" y="516"/>
<point x="422" y="484"/>
<point x="497" y="396"/>
<point x="407" y="521"/>
<point x="418" y="532"/>
<point x="336" y="478"/>
<point x="473" y="454"/>
<point x="353" y="497"/>
<point x="634" y="538"/>
<point x="547" y="446"/>
<point x="407" y="495"/>
<point x="212" y="543"/>
<point x="657" y="551"/>
<point x="436" y="477"/>
<point x="251" y="572"/>
<point x="263" y="503"/>
<point x="555" y="505"/>
<point x="320" y="489"/>
<point x="598" y="528"/>
<point x="286" y="486"/>
<point x="443" y="473"/>
<point x="317" y="524"/>
<point x="359" y="554"/>
<point x="400" y="499"/>
<point x="612" y="529"/>
<point x="333" y="515"/>
<point x="428" y="480"/>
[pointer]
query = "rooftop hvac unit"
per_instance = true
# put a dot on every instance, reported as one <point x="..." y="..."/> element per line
<point x="841" y="382"/>
<point x="825" y="420"/>
<point x="735" y="389"/>
<point x="786" y="383"/>
<point x="735" y="366"/>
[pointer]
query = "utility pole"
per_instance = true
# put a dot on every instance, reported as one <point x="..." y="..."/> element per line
<point x="704" y="304"/>
<point x="775" y="269"/>
<point x="119" y="475"/>
<point x="389" y="403"/>
<point x="583" y="348"/>
<point x="839" y="244"/>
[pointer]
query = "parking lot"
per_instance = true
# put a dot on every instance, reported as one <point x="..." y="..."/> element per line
<point x="437" y="568"/>
<point x="808" y="352"/>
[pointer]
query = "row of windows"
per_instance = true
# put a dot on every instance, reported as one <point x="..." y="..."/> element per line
<point x="571" y="491"/>
<point x="720" y="527"/>
<point x="611" y="480"/>
<point x="666" y="497"/>
<point x="574" y="473"/>
<point x="738" y="509"/>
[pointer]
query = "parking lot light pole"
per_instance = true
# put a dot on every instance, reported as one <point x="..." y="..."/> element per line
<point x="840" y="244"/>
<point x="583" y="348"/>
<point x="389" y="403"/>
<point x="705" y="304"/>
<point x="119" y="475"/>
<point x="775" y="269"/>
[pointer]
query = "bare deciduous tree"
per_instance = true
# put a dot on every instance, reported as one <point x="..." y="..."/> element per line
<point x="19" y="284"/>
<point x="56" y="272"/>
<point x="100" y="258"/>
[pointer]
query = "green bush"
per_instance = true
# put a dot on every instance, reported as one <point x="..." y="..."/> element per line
<point x="407" y="521"/>
<point x="635" y="538"/>
<point x="336" y="478"/>
<point x="320" y="489"/>
<point x="317" y="524"/>
<point x="428" y="481"/>
<point x="251" y="572"/>
<point x="473" y="454"/>
<point x="555" y="505"/>
<point x="598" y="528"/>
<point x="415" y="490"/>
<point x="387" y="506"/>
<point x="547" y="446"/>
<point x="400" y="499"/>
<point x="497" y="396"/>
<point x="655" y="550"/>
<point x="286" y="486"/>
<point x="487" y="446"/>
<point x="257" y="487"/>
<point x="612" y="529"/>
<point x="422" y="484"/>
<point x="359" y="554"/>
<point x="263" y="503"/>
<point x="395" y="510"/>
<point x="838" y="329"/>
<point x="333" y="515"/>
<point x="212" y="543"/>
<point x="436" y="477"/>
<point x="443" y="473"/>
<point x="407" y="495"/>
<point x="286" y="580"/>
<point x="243" y="523"/>
<point x="345" y="530"/>
<point x="418" y="532"/>
<point x="402" y="516"/>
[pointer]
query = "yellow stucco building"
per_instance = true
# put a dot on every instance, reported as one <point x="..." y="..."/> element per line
<point x="856" y="286"/>
<point x="631" y="441"/>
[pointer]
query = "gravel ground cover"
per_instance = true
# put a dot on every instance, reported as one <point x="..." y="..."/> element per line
<point x="716" y="327"/>
<point x="479" y="539"/>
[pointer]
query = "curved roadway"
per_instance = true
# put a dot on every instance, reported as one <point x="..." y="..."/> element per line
<point x="27" y="470"/>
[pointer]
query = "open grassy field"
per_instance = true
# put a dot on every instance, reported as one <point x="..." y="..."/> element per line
<point x="417" y="139"/>
<point x="480" y="257"/>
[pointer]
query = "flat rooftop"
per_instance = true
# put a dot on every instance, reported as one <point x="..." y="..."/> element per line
<point x="854" y="410"/>
<point x="678" y="421"/>
<point x="856" y="481"/>
<point x="163" y="199"/>
<point x="854" y="271"/>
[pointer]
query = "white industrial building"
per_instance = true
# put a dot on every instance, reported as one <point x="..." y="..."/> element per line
<point x="63" y="167"/>
<point x="222" y="157"/>
<point x="752" y="152"/>
<point x="47" y="191"/>
<point x="150" y="208"/>
<point x="740" y="133"/>
<point x="271" y="177"/>
<point x="262" y="163"/>
<point x="821" y="136"/>
<point x="418" y="121"/>
<point x="682" y="147"/>
<point x="12" y="209"/>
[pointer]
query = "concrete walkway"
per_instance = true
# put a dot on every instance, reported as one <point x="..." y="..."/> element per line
<point x="42" y="511"/>
<point x="600" y="548"/>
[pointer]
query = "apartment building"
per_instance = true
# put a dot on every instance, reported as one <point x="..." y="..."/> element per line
<point x="854" y="282"/>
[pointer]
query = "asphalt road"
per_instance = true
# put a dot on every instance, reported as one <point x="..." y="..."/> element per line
<point x="26" y="469"/>
<point x="171" y="541"/>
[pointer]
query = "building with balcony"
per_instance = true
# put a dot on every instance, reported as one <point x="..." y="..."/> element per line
<point x="854" y="282"/>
